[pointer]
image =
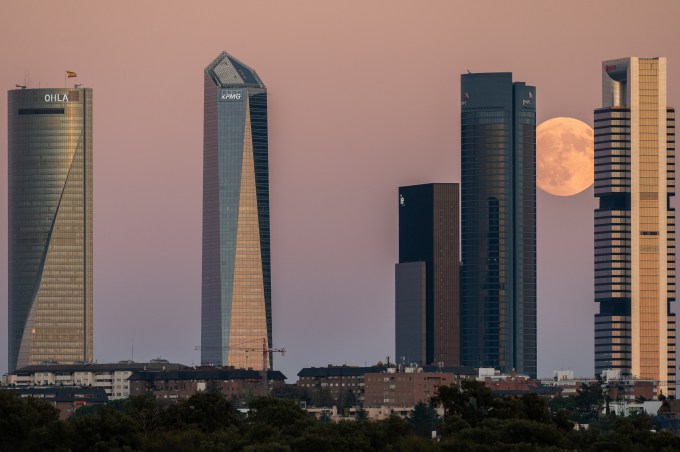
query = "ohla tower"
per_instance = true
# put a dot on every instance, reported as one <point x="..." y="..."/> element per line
<point x="236" y="322"/>
<point x="634" y="223"/>
<point x="49" y="226"/>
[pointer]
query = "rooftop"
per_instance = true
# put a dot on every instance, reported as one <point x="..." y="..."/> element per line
<point x="96" y="367"/>
<point x="204" y="374"/>
<point x="226" y="71"/>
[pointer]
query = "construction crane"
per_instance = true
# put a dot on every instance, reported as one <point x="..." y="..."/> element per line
<point x="265" y="350"/>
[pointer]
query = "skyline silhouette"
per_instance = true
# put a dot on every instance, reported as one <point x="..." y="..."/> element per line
<point x="362" y="99"/>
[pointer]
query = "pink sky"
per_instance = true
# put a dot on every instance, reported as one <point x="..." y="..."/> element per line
<point x="363" y="99"/>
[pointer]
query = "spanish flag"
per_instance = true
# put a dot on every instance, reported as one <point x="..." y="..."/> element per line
<point x="70" y="74"/>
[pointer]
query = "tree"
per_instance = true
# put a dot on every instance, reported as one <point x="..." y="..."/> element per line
<point x="534" y="408"/>
<point x="323" y="398"/>
<point x="291" y="392"/>
<point x="471" y="400"/>
<point x="424" y="419"/>
<point x="26" y="422"/>
<point x="144" y="410"/>
<point x="213" y="386"/>
<point x="346" y="401"/>
<point x="325" y="417"/>
<point x="562" y="403"/>
<point x="589" y="401"/>
<point x="361" y="414"/>
<point x="104" y="430"/>
<point x="184" y="440"/>
<point x="284" y="415"/>
<point x="208" y="411"/>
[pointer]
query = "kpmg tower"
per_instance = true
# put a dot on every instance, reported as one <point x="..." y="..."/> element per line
<point x="498" y="208"/>
<point x="236" y="292"/>
<point x="50" y="226"/>
<point x="427" y="277"/>
<point x="634" y="223"/>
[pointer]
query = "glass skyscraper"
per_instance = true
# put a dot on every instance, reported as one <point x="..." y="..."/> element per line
<point x="498" y="209"/>
<point x="50" y="226"/>
<point x="634" y="223"/>
<point x="236" y="320"/>
<point x="427" y="277"/>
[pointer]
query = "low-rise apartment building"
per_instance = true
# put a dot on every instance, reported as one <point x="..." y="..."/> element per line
<point x="65" y="399"/>
<point x="405" y="388"/>
<point x="112" y="377"/>
<point x="332" y="385"/>
<point x="239" y="385"/>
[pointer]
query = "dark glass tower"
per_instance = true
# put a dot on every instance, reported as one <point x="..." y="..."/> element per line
<point x="498" y="177"/>
<point x="236" y="317"/>
<point x="427" y="277"/>
<point x="634" y="223"/>
<point x="50" y="226"/>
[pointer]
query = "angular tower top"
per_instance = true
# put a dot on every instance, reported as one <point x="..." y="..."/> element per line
<point x="225" y="70"/>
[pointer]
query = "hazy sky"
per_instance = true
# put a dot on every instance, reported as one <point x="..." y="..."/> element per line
<point x="363" y="98"/>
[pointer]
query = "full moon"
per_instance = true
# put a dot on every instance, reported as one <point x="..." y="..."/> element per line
<point x="564" y="156"/>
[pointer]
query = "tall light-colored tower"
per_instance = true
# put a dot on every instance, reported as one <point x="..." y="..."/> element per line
<point x="236" y="324"/>
<point x="50" y="225"/>
<point x="634" y="224"/>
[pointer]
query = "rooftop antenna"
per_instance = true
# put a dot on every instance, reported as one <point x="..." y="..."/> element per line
<point x="469" y="71"/>
<point x="21" y="86"/>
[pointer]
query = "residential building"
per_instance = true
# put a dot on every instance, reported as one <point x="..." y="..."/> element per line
<point x="498" y="209"/>
<point x="634" y="223"/>
<point x="333" y="385"/>
<point x="624" y="409"/>
<point x="427" y="277"/>
<point x="50" y="260"/>
<point x="64" y="398"/>
<point x="621" y="387"/>
<point x="406" y="388"/>
<point x="566" y="382"/>
<point x="236" y="315"/>
<point x="239" y="385"/>
<point x="515" y="384"/>
<point x="669" y="414"/>
<point x="380" y="413"/>
<point x="112" y="377"/>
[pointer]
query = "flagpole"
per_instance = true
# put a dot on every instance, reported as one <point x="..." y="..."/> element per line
<point x="69" y="74"/>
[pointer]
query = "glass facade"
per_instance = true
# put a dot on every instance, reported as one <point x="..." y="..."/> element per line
<point x="410" y="305"/>
<point x="236" y="288"/>
<point x="427" y="277"/>
<point x="498" y="207"/>
<point x="634" y="223"/>
<point x="50" y="226"/>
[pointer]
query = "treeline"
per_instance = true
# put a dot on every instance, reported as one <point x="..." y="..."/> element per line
<point x="475" y="420"/>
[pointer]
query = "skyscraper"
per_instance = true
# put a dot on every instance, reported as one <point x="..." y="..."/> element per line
<point x="634" y="223"/>
<point x="50" y="226"/>
<point x="498" y="177"/>
<point x="427" y="277"/>
<point x="236" y="291"/>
